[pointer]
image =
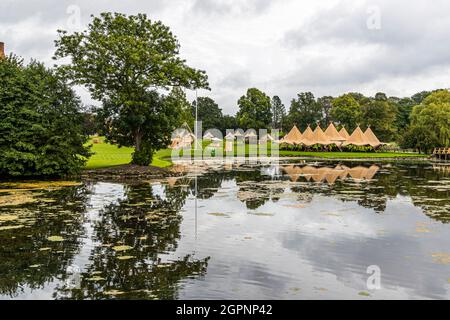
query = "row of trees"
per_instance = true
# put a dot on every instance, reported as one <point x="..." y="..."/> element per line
<point x="420" y="122"/>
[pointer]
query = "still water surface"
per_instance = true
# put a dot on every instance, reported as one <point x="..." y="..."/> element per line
<point x="293" y="231"/>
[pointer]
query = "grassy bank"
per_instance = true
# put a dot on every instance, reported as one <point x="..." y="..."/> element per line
<point x="107" y="155"/>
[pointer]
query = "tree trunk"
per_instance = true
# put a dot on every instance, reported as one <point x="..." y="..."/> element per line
<point x="137" y="140"/>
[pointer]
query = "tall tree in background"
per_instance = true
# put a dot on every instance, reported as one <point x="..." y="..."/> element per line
<point x="325" y="105"/>
<point x="420" y="96"/>
<point x="404" y="108"/>
<point x="176" y="100"/>
<point x="278" y="112"/>
<point x="254" y="110"/>
<point x="430" y="122"/>
<point x="228" y="122"/>
<point x="41" y="124"/>
<point x="380" y="115"/>
<point x="433" y="116"/>
<point x="346" y="111"/>
<point x="208" y="112"/>
<point x="121" y="59"/>
<point x="304" y="110"/>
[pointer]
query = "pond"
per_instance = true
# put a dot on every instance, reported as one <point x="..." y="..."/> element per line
<point x="297" y="230"/>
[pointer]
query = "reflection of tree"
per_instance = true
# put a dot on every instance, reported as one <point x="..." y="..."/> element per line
<point x="27" y="257"/>
<point x="133" y="235"/>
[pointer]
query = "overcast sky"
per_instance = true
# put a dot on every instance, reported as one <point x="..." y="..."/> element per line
<point x="282" y="47"/>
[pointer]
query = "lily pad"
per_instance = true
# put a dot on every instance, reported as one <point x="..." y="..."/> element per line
<point x="113" y="292"/>
<point x="219" y="214"/>
<point x="8" y="217"/>
<point x="122" y="248"/>
<point x="55" y="238"/>
<point x="96" y="278"/>
<point x="364" y="293"/>
<point x="11" y="227"/>
<point x="126" y="257"/>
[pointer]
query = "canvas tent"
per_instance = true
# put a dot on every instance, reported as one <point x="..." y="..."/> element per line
<point x="208" y="136"/>
<point x="357" y="138"/>
<point x="265" y="138"/>
<point x="319" y="137"/>
<point x="344" y="134"/>
<point x="333" y="135"/>
<point x="250" y="134"/>
<point x="238" y="133"/>
<point x="293" y="137"/>
<point x="373" y="140"/>
<point x="216" y="142"/>
<point x="308" y="137"/>
<point x="229" y="136"/>
<point x="182" y="137"/>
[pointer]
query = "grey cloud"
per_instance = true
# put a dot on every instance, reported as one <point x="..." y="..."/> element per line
<point x="51" y="11"/>
<point x="412" y="41"/>
<point x="236" y="79"/>
<point x="223" y="7"/>
<point x="401" y="24"/>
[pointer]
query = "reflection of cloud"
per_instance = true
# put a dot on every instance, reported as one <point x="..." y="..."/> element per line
<point x="325" y="243"/>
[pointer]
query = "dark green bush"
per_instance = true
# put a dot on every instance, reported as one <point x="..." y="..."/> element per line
<point x="41" y="131"/>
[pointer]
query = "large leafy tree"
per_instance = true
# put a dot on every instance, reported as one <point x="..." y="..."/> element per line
<point x="41" y="125"/>
<point x="208" y="112"/>
<point x="325" y="105"/>
<point x="380" y="115"/>
<point x="278" y="112"/>
<point x="433" y="114"/>
<point x="304" y="110"/>
<point x="430" y="123"/>
<point x="254" y="110"/>
<point x="404" y="107"/>
<point x="121" y="59"/>
<point x="346" y="111"/>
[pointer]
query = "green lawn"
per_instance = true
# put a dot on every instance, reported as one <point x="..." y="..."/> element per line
<point x="107" y="155"/>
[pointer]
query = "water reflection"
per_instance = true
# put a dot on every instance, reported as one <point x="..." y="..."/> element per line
<point x="292" y="230"/>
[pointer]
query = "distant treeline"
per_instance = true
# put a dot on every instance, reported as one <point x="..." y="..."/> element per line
<point x="418" y="122"/>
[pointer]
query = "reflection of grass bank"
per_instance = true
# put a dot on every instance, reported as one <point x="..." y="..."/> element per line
<point x="107" y="155"/>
